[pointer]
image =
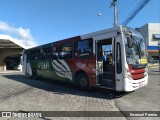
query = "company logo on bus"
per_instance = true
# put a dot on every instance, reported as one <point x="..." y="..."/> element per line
<point x="43" y="65"/>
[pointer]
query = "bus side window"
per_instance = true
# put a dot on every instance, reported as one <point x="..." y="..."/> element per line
<point x="43" y="54"/>
<point x="33" y="55"/>
<point x="39" y="54"/>
<point x="53" y="53"/>
<point x="65" y="50"/>
<point x="83" y="48"/>
<point x="49" y="53"/>
<point x="118" y="58"/>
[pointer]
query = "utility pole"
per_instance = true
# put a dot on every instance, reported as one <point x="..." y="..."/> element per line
<point x="114" y="3"/>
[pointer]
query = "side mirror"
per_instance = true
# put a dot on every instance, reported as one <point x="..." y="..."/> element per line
<point x="129" y="42"/>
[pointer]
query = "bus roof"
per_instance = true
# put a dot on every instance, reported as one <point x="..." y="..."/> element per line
<point x="118" y="28"/>
<point x="81" y="37"/>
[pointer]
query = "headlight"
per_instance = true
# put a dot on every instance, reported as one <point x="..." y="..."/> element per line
<point x="128" y="74"/>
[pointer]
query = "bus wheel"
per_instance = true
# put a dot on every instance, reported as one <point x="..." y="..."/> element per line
<point x="82" y="81"/>
<point x="34" y="74"/>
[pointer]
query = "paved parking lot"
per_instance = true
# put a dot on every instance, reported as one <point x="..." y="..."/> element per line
<point x="21" y="93"/>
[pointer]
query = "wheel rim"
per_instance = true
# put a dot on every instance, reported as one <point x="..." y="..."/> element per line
<point x="83" y="82"/>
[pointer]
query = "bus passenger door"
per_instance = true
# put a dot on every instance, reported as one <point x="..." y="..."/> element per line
<point x="99" y="63"/>
<point x="106" y="63"/>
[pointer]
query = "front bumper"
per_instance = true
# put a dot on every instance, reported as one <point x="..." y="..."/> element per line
<point x="131" y="85"/>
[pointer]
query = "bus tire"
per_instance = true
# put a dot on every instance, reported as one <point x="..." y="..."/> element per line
<point x="82" y="81"/>
<point x="34" y="74"/>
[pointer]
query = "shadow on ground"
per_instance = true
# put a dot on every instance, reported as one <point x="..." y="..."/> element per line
<point x="61" y="88"/>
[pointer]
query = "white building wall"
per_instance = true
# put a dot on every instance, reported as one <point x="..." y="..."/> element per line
<point x="153" y="28"/>
<point x="148" y="31"/>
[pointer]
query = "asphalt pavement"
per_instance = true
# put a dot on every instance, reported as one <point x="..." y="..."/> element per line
<point x="144" y="99"/>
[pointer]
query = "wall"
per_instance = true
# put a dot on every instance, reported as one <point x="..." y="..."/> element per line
<point x="153" y="28"/>
<point x="144" y="32"/>
<point x="147" y="32"/>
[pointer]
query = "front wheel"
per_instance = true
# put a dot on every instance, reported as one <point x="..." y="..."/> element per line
<point x="82" y="81"/>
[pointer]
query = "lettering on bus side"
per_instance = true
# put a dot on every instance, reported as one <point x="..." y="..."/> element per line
<point x="43" y="65"/>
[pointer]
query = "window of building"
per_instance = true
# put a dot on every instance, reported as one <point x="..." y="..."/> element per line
<point x="156" y="36"/>
<point x="155" y="57"/>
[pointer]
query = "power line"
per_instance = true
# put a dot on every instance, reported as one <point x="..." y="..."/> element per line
<point x="135" y="11"/>
<point x="124" y="11"/>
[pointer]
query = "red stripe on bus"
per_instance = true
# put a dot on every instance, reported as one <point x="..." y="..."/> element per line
<point x="135" y="71"/>
<point x="137" y="76"/>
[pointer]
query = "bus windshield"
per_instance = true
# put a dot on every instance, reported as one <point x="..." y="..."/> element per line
<point x="142" y="49"/>
<point x="135" y="52"/>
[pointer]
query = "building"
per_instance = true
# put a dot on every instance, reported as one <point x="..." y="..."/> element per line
<point x="151" y="34"/>
<point x="10" y="53"/>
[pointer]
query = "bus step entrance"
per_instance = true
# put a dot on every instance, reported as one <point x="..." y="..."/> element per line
<point x="107" y="83"/>
<point x="107" y="80"/>
<point x="107" y="75"/>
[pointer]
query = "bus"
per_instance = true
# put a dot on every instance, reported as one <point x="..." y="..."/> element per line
<point x="113" y="58"/>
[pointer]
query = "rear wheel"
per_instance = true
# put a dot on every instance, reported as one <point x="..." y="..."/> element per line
<point x="34" y="74"/>
<point x="82" y="81"/>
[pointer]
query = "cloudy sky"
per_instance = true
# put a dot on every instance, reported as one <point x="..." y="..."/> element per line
<point x="36" y="22"/>
<point x="19" y="34"/>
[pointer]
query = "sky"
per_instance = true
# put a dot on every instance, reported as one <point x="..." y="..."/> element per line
<point x="37" y="22"/>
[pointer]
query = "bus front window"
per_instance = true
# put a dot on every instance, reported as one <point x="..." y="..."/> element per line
<point x="132" y="52"/>
<point x="142" y="49"/>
